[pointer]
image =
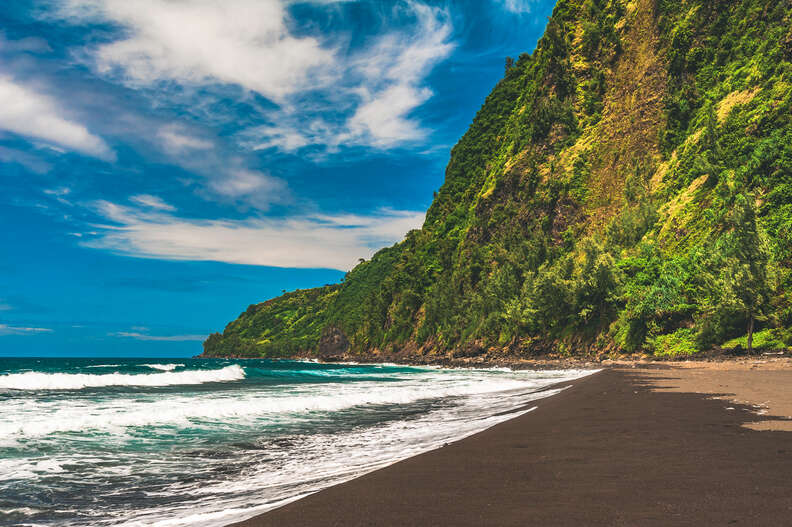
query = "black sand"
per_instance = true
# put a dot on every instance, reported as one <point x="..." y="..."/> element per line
<point x="607" y="451"/>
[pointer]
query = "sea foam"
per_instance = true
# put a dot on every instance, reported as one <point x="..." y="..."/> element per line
<point x="206" y="410"/>
<point x="75" y="381"/>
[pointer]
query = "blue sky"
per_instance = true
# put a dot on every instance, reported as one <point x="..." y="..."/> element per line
<point x="165" y="163"/>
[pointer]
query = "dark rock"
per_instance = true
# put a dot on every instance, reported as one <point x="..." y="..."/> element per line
<point x="333" y="344"/>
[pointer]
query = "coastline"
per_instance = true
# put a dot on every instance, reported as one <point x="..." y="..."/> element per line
<point x="542" y="362"/>
<point x="628" y="445"/>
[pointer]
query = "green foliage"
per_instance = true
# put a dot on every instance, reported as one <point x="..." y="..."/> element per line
<point x="567" y="217"/>
<point x="661" y="295"/>
<point x="767" y="339"/>
<point x="289" y="324"/>
<point x="681" y="343"/>
<point x="746" y="276"/>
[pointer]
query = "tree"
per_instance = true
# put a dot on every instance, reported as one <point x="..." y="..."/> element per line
<point x="747" y="280"/>
<point x="509" y="64"/>
<point x="597" y="284"/>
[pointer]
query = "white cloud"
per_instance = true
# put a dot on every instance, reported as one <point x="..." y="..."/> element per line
<point x="370" y="91"/>
<point x="382" y="119"/>
<point x="326" y="241"/>
<point x="169" y="338"/>
<point x="245" y="42"/>
<point x="17" y="330"/>
<point x="176" y="141"/>
<point x="26" y="112"/>
<point x="391" y="74"/>
<point x="5" y="307"/>
<point x="395" y="69"/>
<point x="154" y="202"/>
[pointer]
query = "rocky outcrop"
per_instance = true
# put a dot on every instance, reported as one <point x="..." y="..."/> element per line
<point x="333" y="345"/>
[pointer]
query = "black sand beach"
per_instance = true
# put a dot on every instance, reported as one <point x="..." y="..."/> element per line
<point x="606" y="451"/>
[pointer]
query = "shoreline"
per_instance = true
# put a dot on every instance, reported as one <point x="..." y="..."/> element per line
<point x="589" y="455"/>
<point x="537" y="363"/>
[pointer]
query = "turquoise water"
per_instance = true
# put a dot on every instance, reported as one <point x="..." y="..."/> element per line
<point x="207" y="442"/>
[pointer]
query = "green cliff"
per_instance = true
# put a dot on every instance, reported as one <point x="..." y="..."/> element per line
<point x="625" y="188"/>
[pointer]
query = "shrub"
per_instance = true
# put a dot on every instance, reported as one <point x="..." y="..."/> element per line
<point x="681" y="343"/>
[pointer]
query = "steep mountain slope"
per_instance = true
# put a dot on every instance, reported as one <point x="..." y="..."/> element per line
<point x="628" y="186"/>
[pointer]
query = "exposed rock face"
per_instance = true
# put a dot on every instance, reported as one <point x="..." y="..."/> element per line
<point x="333" y="345"/>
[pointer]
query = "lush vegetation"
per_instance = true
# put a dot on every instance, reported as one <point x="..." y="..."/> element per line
<point x="277" y="328"/>
<point x="625" y="188"/>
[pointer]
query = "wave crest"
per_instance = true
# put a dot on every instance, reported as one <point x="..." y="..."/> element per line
<point x="163" y="367"/>
<point x="76" y="381"/>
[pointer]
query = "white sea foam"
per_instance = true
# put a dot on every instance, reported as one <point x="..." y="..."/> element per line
<point x="163" y="367"/>
<point x="118" y="415"/>
<point x="20" y="510"/>
<point x="27" y="419"/>
<point x="450" y="404"/>
<point x="75" y="381"/>
<point x="24" y="468"/>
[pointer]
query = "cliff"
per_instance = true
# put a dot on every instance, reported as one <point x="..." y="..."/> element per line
<point x="626" y="187"/>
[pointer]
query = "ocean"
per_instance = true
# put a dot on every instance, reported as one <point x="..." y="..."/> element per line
<point x="136" y="442"/>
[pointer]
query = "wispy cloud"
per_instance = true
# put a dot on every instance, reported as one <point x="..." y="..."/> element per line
<point x="152" y="202"/>
<point x="59" y="194"/>
<point x="178" y="141"/>
<point x="30" y="162"/>
<point x="372" y="104"/>
<point x="310" y="241"/>
<point x="285" y="137"/>
<point x="29" y="113"/>
<point x="251" y="185"/>
<point x="20" y="330"/>
<point x="28" y="44"/>
<point x="395" y="69"/>
<point x="219" y="173"/>
<point x="168" y="338"/>
<point x="517" y="6"/>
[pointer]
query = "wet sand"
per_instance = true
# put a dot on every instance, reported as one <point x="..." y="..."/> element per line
<point x="614" y="449"/>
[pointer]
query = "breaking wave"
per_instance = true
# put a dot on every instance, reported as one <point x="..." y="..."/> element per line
<point x="76" y="381"/>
